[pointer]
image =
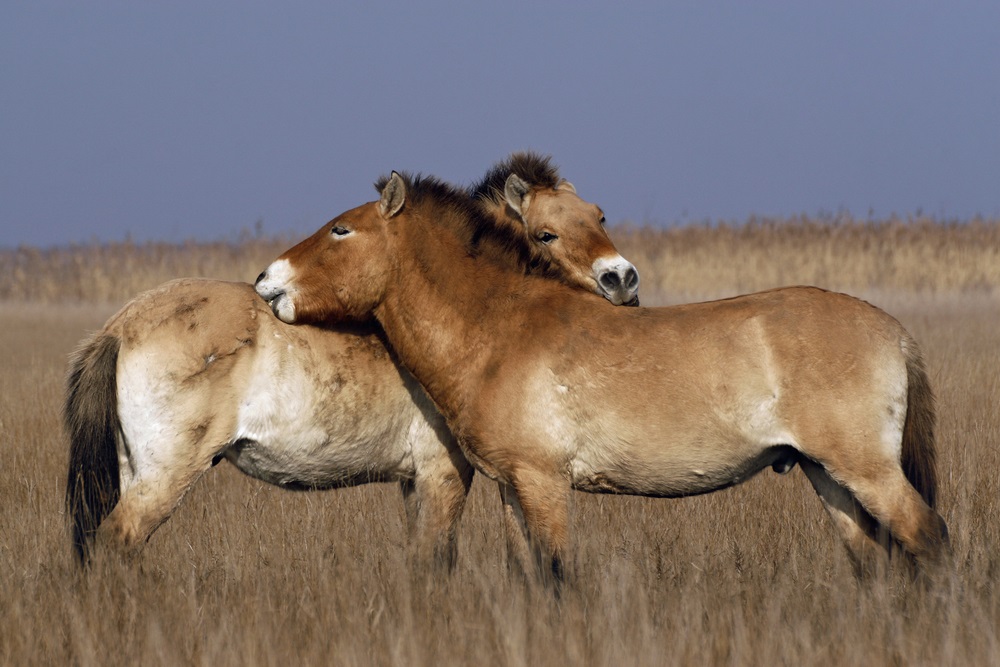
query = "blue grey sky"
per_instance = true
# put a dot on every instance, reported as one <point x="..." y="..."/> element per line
<point x="177" y="120"/>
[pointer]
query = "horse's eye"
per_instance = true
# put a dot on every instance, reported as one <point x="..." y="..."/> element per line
<point x="340" y="231"/>
<point x="603" y="220"/>
<point x="547" y="237"/>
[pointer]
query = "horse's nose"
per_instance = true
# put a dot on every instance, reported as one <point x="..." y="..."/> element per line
<point x="610" y="280"/>
<point x="631" y="279"/>
<point x="618" y="279"/>
<point x="620" y="283"/>
<point x="263" y="274"/>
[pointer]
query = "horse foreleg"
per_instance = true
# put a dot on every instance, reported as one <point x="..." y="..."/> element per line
<point x="541" y="513"/>
<point x="434" y="502"/>
<point x="515" y="533"/>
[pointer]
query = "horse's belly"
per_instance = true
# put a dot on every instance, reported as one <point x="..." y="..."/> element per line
<point x="329" y="464"/>
<point x="676" y="483"/>
<point x="671" y="471"/>
<point x="300" y="448"/>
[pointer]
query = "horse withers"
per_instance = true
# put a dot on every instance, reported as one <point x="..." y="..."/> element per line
<point x="196" y="371"/>
<point x="547" y="389"/>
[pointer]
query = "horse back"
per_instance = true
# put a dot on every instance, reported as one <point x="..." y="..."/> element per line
<point x="196" y="319"/>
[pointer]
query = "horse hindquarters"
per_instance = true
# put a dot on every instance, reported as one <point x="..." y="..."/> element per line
<point x="91" y="418"/>
<point x="119" y="489"/>
<point x="874" y="468"/>
<point x="174" y="425"/>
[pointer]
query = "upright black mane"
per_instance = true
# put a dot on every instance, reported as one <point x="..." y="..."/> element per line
<point x="486" y="233"/>
<point x="536" y="170"/>
<point x="506" y="233"/>
<point x="421" y="189"/>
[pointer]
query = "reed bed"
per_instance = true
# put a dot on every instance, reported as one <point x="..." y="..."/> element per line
<point x="676" y="263"/>
<point x="844" y="254"/>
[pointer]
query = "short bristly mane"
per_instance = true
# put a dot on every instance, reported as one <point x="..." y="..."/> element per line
<point x="536" y="170"/>
<point x="421" y="189"/>
<point x="506" y="231"/>
<point x="491" y="237"/>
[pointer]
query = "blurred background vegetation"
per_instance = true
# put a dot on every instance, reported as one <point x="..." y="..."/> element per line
<point x="914" y="254"/>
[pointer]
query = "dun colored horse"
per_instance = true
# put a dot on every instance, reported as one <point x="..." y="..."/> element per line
<point x="547" y="389"/>
<point x="197" y="371"/>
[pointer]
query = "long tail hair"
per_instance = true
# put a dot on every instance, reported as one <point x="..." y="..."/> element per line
<point x="91" y="418"/>
<point x="919" y="456"/>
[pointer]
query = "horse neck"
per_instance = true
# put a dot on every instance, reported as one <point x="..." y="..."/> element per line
<point x="442" y="312"/>
<point x="497" y="243"/>
<point x="494" y="210"/>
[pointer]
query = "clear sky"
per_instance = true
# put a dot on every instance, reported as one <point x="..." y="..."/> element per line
<point x="181" y="119"/>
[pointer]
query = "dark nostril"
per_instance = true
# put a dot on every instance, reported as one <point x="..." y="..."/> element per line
<point x="262" y="275"/>
<point x="610" y="280"/>
<point x="631" y="278"/>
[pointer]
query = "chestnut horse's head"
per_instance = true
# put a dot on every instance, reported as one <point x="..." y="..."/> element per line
<point x="558" y="228"/>
<point x="298" y="286"/>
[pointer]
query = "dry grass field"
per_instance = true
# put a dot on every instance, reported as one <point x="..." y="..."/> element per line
<point x="246" y="574"/>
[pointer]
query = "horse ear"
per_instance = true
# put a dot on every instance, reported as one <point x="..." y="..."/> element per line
<point x="518" y="194"/>
<point x="393" y="196"/>
<point x="566" y="185"/>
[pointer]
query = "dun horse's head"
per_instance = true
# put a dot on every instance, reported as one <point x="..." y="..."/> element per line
<point x="569" y="233"/>
<point x="559" y="232"/>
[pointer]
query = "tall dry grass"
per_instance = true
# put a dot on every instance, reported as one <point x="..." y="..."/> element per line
<point x="247" y="574"/>
<point x="115" y="272"/>
<point x="915" y="255"/>
<point x="680" y="263"/>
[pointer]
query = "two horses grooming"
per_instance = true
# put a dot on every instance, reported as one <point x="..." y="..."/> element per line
<point x="197" y="371"/>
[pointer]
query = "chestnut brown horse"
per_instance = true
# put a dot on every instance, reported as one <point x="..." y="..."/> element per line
<point x="197" y="371"/>
<point x="547" y="389"/>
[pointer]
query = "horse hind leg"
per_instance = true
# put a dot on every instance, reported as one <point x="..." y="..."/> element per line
<point x="897" y="505"/>
<point x="156" y="477"/>
<point x="146" y="504"/>
<point x="867" y="543"/>
<point x="138" y="514"/>
<point x="884" y="493"/>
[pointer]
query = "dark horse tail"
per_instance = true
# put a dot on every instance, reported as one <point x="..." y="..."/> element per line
<point x="91" y="417"/>
<point x="919" y="457"/>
